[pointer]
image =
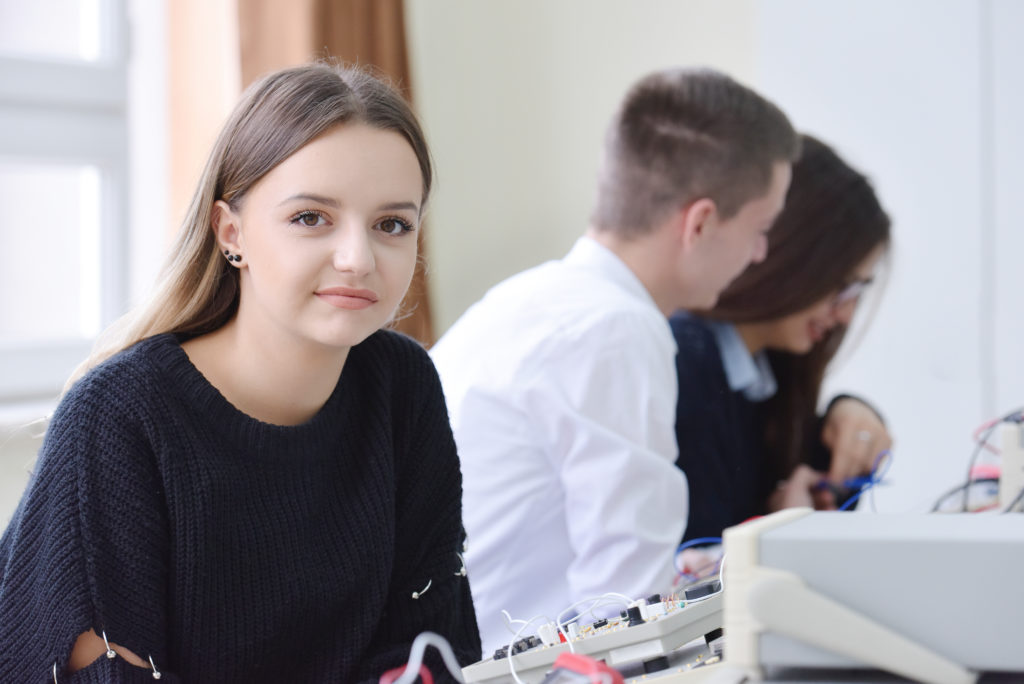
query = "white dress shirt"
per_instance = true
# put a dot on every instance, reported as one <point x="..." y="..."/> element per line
<point x="561" y="386"/>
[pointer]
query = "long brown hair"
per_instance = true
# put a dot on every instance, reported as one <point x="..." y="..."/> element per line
<point x="197" y="291"/>
<point x="831" y="222"/>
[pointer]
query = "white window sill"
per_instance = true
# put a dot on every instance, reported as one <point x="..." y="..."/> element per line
<point x="18" y="416"/>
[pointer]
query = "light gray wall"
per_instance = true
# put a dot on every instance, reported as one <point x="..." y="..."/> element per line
<point x="515" y="96"/>
<point x="925" y="98"/>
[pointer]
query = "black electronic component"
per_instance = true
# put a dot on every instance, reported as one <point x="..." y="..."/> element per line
<point x="656" y="664"/>
<point x="598" y="624"/>
<point x="702" y="589"/>
<point x="653" y="598"/>
<point x="712" y="635"/>
<point x="501" y="653"/>
<point x="635" y="618"/>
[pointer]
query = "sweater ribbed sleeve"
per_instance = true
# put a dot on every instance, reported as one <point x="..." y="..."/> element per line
<point x="429" y="538"/>
<point x="88" y="540"/>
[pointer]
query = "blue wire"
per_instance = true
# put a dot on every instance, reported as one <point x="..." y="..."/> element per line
<point x="853" y="499"/>
<point x="697" y="541"/>
<point x="873" y="479"/>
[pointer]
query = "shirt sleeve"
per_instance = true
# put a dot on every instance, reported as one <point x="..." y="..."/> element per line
<point x="429" y="588"/>
<point x="608" y="405"/>
<point x="87" y="546"/>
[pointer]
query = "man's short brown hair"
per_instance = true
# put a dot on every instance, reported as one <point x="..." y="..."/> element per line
<point x="684" y="134"/>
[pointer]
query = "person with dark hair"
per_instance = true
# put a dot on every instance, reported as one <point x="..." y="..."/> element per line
<point x="560" y="382"/>
<point x="252" y="481"/>
<point x="750" y="368"/>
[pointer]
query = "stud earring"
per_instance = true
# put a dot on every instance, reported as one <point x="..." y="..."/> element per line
<point x="232" y="257"/>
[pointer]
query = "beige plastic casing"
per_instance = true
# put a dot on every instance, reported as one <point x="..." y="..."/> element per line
<point x="759" y="599"/>
<point x="1011" y="473"/>
<point x="742" y="558"/>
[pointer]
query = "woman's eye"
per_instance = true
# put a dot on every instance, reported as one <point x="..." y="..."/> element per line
<point x="309" y="219"/>
<point x="393" y="226"/>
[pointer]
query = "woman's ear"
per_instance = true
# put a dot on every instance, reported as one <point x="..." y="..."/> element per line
<point x="694" y="222"/>
<point x="226" y="227"/>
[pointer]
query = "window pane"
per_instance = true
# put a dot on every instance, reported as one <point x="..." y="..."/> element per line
<point x="49" y="251"/>
<point x="68" y="29"/>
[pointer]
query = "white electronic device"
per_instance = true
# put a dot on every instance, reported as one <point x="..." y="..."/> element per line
<point x="675" y="623"/>
<point x="934" y="598"/>
<point x="1011" y="469"/>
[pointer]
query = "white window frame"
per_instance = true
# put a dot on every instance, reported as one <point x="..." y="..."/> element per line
<point x="66" y="111"/>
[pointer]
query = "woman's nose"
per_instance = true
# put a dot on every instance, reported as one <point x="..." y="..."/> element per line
<point x="353" y="251"/>
<point x="844" y="311"/>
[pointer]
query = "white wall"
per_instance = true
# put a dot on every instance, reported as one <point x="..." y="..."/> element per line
<point x="1006" y="56"/>
<point x="515" y="95"/>
<point x="907" y="92"/>
<point x="919" y="94"/>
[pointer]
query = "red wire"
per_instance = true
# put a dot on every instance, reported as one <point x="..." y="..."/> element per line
<point x="392" y="675"/>
<point x="982" y="428"/>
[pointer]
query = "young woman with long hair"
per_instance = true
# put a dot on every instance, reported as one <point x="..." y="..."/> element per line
<point x="252" y="481"/>
<point x="751" y="368"/>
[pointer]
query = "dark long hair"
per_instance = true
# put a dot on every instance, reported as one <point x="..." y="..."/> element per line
<point x="831" y="222"/>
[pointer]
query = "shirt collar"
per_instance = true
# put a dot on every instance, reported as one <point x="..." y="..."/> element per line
<point x="751" y="374"/>
<point x="591" y="255"/>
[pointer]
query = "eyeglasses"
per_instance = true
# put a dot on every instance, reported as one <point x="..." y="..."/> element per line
<point x="851" y="292"/>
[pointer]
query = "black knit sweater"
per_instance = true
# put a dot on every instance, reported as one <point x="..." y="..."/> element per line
<point x="719" y="433"/>
<point x="231" y="550"/>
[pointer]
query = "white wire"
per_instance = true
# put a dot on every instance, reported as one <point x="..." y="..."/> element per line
<point x="515" y="638"/>
<point x="596" y="602"/>
<point x="592" y="600"/>
<point x="419" y="645"/>
<point x="509" y="620"/>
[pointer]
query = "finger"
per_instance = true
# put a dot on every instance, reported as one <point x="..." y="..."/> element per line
<point x="883" y="442"/>
<point x="854" y="454"/>
<point x="847" y="462"/>
<point x="828" y="433"/>
<point x="804" y="477"/>
<point x="824" y="499"/>
<point x="800" y="486"/>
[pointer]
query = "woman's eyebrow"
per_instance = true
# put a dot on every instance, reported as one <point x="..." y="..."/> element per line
<point x="320" y="199"/>
<point x="400" y="206"/>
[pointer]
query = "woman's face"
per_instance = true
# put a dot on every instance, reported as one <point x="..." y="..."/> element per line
<point x="799" y="332"/>
<point x="328" y="237"/>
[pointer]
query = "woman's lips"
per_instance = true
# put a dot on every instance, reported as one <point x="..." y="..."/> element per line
<point x="817" y="332"/>
<point x="348" y="298"/>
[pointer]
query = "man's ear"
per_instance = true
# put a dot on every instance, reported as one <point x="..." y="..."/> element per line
<point x="694" y="222"/>
<point x="226" y="225"/>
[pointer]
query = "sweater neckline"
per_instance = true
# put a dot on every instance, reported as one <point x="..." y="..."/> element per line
<point x="253" y="437"/>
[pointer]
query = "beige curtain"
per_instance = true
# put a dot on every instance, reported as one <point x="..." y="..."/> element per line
<point x="274" y="34"/>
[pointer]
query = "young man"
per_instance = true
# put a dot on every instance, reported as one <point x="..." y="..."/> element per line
<point x="561" y="381"/>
